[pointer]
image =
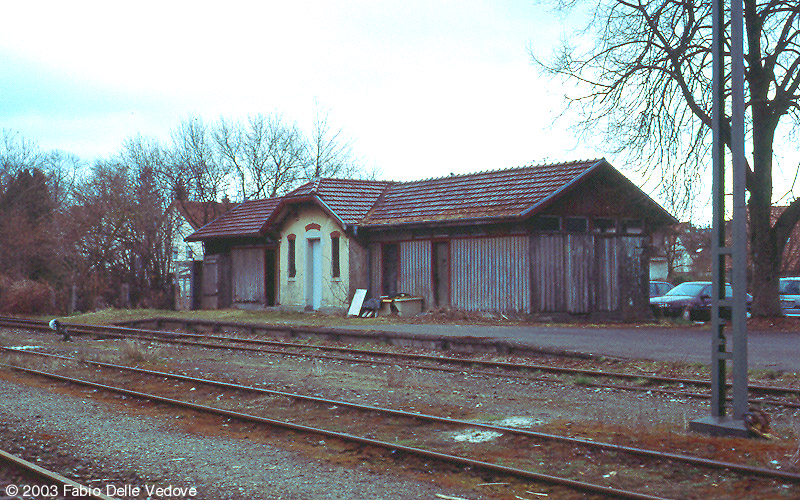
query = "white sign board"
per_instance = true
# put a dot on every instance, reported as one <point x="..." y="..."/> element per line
<point x="358" y="301"/>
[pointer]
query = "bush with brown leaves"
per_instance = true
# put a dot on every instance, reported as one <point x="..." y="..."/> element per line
<point x="26" y="297"/>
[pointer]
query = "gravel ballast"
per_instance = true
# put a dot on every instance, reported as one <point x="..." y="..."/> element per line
<point x="119" y="449"/>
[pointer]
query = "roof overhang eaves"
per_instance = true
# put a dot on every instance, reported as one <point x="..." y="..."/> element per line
<point x="207" y="224"/>
<point x="439" y="222"/>
<point x="550" y="198"/>
<point x="292" y="200"/>
<point x="227" y="236"/>
<point x="668" y="218"/>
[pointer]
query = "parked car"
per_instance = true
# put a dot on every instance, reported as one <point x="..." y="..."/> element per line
<point x="690" y="301"/>
<point x="659" y="288"/>
<point x="789" y="289"/>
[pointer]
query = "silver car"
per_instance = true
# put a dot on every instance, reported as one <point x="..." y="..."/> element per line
<point x="789" y="289"/>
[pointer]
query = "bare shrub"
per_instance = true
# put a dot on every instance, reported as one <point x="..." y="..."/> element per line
<point x="26" y="297"/>
<point x="135" y="352"/>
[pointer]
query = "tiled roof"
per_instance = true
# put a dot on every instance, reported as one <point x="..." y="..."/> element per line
<point x="246" y="219"/>
<point x="496" y="194"/>
<point x="350" y="199"/>
<point x="499" y="193"/>
<point x="200" y="213"/>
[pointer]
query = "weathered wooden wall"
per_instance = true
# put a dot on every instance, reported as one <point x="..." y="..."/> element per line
<point x="216" y="292"/>
<point x="588" y="273"/>
<point x="248" y="275"/>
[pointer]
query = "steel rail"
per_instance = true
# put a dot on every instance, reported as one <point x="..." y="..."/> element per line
<point x="642" y="452"/>
<point x="170" y="337"/>
<point x="54" y="477"/>
<point x="175" y="337"/>
<point x="454" y="459"/>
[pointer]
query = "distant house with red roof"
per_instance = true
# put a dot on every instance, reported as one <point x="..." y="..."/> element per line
<point x="569" y="238"/>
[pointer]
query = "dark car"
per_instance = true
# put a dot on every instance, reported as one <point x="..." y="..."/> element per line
<point x="659" y="288"/>
<point x="690" y="301"/>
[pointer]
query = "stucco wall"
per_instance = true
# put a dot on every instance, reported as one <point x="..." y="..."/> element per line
<point x="293" y="290"/>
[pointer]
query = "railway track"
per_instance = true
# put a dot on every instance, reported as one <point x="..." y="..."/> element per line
<point x="762" y="394"/>
<point x="654" y="454"/>
<point x="227" y="388"/>
<point x="391" y="447"/>
<point x="24" y="480"/>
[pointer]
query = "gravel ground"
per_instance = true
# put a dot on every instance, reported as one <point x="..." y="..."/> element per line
<point x="121" y="443"/>
<point x="140" y="451"/>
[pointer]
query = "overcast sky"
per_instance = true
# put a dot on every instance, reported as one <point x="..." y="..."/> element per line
<point x="423" y="88"/>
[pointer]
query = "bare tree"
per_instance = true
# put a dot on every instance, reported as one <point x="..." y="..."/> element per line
<point x="194" y="166"/>
<point x="285" y="147"/>
<point x="645" y="85"/>
<point x="151" y="228"/>
<point x="229" y="137"/>
<point x="99" y="231"/>
<point x="266" y="153"/>
<point x="328" y="153"/>
<point x="16" y="153"/>
<point x="63" y="171"/>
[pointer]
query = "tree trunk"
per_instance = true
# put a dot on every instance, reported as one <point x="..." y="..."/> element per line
<point x="766" y="252"/>
<point x="766" y="276"/>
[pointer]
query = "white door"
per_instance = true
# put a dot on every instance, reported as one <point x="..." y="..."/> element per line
<point x="313" y="275"/>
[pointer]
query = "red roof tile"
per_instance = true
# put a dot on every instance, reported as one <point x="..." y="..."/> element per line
<point x="200" y="213"/>
<point x="497" y="194"/>
<point x="350" y="199"/>
<point x="500" y="193"/>
<point x="246" y="219"/>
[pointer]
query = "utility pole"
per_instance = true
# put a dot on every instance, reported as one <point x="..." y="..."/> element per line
<point x="720" y="423"/>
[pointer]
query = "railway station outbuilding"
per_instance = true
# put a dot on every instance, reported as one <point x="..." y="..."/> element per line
<point x="559" y="239"/>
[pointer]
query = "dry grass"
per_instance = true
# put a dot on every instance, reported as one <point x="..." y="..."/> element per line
<point x="109" y="316"/>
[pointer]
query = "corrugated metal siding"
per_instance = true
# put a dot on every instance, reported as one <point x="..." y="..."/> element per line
<point x="415" y="269"/>
<point x="248" y="275"/>
<point x="490" y="274"/>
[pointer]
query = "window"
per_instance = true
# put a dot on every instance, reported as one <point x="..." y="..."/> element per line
<point x="576" y="225"/>
<point x="335" y="255"/>
<point x="632" y="226"/>
<point x="546" y="223"/>
<point x="292" y="249"/>
<point x="605" y="225"/>
<point x="189" y="252"/>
